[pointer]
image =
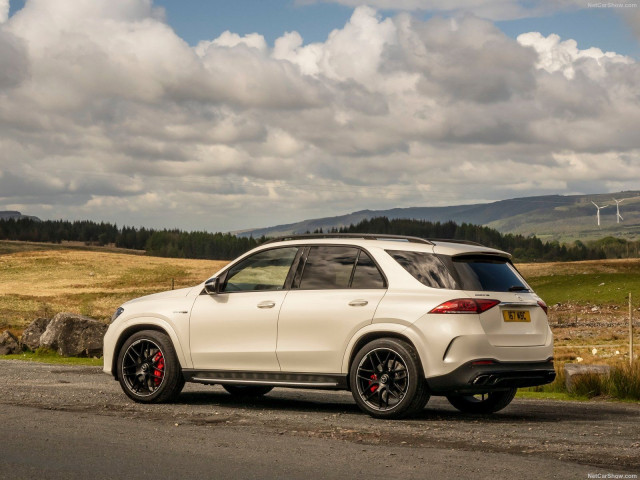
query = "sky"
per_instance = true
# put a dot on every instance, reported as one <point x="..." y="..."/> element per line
<point x="228" y="115"/>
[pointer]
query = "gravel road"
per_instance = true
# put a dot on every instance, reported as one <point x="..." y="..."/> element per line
<point x="74" y="422"/>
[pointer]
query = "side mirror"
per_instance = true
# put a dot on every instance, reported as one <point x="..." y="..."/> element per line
<point x="212" y="286"/>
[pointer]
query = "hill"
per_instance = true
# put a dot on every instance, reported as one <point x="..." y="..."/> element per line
<point x="12" y="214"/>
<point x="551" y="217"/>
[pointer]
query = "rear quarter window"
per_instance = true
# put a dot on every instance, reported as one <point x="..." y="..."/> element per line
<point x="425" y="267"/>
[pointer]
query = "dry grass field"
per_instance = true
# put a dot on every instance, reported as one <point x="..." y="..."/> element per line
<point x="37" y="281"/>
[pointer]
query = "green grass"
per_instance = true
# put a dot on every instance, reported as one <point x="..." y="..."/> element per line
<point x="587" y="289"/>
<point x="527" y="393"/>
<point x="52" y="357"/>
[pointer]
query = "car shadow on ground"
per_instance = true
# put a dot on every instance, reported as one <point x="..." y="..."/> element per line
<point x="437" y="409"/>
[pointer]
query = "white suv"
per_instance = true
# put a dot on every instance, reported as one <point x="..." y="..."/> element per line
<point x="392" y="319"/>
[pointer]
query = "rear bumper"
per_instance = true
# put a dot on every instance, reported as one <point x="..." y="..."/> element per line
<point x="480" y="378"/>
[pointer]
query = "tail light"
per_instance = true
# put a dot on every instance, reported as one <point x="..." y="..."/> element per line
<point x="465" y="305"/>
<point x="543" y="306"/>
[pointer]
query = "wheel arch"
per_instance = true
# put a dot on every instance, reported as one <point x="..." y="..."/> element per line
<point x="138" y="327"/>
<point x="357" y="343"/>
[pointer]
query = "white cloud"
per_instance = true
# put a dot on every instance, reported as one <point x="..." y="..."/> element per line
<point x="4" y="10"/>
<point x="107" y="113"/>
<point x="564" y="56"/>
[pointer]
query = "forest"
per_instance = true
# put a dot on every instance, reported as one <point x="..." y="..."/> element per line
<point x="226" y="246"/>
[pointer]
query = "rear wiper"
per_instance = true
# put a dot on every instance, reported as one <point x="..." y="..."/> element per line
<point x="518" y="288"/>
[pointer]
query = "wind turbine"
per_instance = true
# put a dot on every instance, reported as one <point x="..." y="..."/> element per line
<point x="599" y="208"/>
<point x="618" y="216"/>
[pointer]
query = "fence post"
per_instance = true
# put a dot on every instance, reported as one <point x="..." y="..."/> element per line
<point x="173" y="284"/>
<point x="630" y="332"/>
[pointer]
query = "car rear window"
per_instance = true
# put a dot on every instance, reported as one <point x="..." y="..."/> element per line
<point x="425" y="267"/>
<point x="487" y="273"/>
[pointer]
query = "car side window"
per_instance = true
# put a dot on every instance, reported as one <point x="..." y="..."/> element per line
<point x="427" y="268"/>
<point x="328" y="267"/>
<point x="265" y="270"/>
<point x="367" y="274"/>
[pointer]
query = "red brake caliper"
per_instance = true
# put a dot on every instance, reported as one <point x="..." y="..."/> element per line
<point x="158" y="361"/>
<point x="374" y="387"/>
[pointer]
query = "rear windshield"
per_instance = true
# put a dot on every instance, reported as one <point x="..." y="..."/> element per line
<point x="475" y="273"/>
<point x="486" y="273"/>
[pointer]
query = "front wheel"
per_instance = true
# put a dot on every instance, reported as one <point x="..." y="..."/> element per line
<point x="386" y="379"/>
<point x="483" y="402"/>
<point x="148" y="368"/>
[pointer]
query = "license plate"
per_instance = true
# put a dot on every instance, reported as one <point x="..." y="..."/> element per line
<point x="516" y="316"/>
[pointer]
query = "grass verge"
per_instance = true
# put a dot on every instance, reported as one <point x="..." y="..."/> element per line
<point x="53" y="357"/>
<point x="623" y="383"/>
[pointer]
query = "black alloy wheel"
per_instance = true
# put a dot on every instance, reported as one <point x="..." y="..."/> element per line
<point x="386" y="379"/>
<point x="148" y="369"/>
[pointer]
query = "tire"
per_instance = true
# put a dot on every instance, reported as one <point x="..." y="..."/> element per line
<point x="483" y="403"/>
<point x="247" y="390"/>
<point x="386" y="379"/>
<point x="148" y="368"/>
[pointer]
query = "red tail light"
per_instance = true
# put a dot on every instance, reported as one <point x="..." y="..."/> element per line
<point x="543" y="306"/>
<point x="465" y="305"/>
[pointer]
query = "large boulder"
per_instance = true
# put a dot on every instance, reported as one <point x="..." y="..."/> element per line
<point x="9" y="344"/>
<point x="31" y="335"/>
<point x="573" y="371"/>
<point x="74" y="335"/>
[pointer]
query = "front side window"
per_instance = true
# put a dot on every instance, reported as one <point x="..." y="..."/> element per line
<point x="265" y="270"/>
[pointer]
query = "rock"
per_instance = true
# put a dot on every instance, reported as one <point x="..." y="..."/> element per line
<point x="9" y="344"/>
<point x="572" y="371"/>
<point x="74" y="335"/>
<point x="31" y="335"/>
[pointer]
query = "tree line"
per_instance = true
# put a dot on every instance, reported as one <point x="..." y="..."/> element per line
<point x="523" y="248"/>
<point x="225" y="246"/>
<point x="160" y="243"/>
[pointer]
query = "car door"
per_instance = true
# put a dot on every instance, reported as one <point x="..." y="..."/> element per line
<point x="237" y="328"/>
<point x="335" y="293"/>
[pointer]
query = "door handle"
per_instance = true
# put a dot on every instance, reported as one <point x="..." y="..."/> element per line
<point x="358" y="303"/>
<point x="267" y="304"/>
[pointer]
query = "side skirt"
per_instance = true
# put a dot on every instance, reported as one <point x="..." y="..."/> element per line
<point x="276" y="379"/>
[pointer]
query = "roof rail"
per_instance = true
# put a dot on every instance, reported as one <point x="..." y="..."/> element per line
<point x="455" y="240"/>
<point x="365" y="236"/>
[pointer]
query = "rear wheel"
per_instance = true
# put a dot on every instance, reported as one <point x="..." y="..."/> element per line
<point x="386" y="379"/>
<point x="148" y="368"/>
<point x="248" y="390"/>
<point x="483" y="402"/>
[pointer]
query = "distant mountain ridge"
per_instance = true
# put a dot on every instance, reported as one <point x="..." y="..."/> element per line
<point x="15" y="215"/>
<point x="556" y="217"/>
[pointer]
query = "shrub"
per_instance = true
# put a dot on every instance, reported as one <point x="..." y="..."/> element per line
<point x="624" y="381"/>
<point x="590" y="385"/>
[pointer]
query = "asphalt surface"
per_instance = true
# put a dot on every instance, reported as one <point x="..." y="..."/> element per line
<point x="64" y="422"/>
